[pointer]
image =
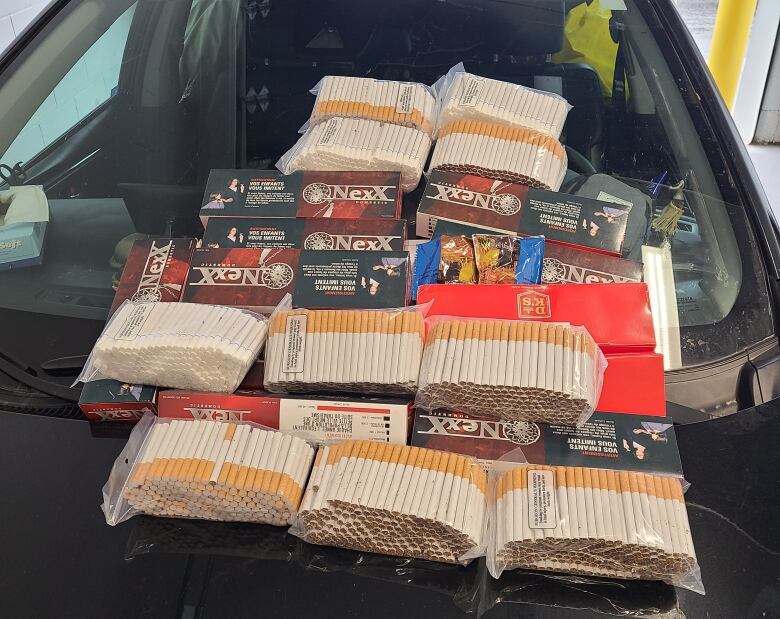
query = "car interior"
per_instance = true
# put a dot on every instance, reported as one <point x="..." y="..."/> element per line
<point x="219" y="84"/>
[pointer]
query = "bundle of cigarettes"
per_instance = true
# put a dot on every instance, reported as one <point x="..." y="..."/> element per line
<point x="219" y="471"/>
<point x="470" y="97"/>
<point x="592" y="521"/>
<point x="181" y="345"/>
<point x="400" y="103"/>
<point x="493" y="150"/>
<point x="360" y="145"/>
<point x="512" y="370"/>
<point x="396" y="500"/>
<point x="359" y="351"/>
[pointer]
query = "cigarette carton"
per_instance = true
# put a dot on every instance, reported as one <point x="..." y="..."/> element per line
<point x="156" y="270"/>
<point x="510" y="208"/>
<point x="309" y="233"/>
<point x="616" y="315"/>
<point x="259" y="278"/>
<point x="387" y="421"/>
<point x="24" y="217"/>
<point x="111" y="400"/>
<point x="606" y="441"/>
<point x="269" y="193"/>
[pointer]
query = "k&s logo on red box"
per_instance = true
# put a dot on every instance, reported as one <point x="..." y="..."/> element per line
<point x="533" y="304"/>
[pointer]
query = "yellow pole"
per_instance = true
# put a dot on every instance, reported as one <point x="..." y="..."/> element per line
<point x="729" y="44"/>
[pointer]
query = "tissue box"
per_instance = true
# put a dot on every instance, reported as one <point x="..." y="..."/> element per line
<point x="22" y="226"/>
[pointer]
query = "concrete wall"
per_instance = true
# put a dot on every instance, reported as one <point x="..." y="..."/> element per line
<point x="14" y="16"/>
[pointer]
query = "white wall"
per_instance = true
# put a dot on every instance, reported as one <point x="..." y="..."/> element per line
<point x="14" y="16"/>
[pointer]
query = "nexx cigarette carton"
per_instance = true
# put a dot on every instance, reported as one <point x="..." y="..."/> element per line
<point x="608" y="441"/>
<point x="510" y="208"/>
<point x="111" y="400"/>
<point x="156" y="270"/>
<point x="387" y="421"/>
<point x="269" y="193"/>
<point x="306" y="233"/>
<point x="259" y="278"/>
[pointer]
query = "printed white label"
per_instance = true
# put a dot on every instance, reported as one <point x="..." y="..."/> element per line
<point x="472" y="89"/>
<point x="541" y="500"/>
<point x="320" y="419"/>
<point x="613" y="5"/>
<point x="608" y="197"/>
<point x="403" y="105"/>
<point x="294" y="344"/>
<point x="329" y="132"/>
<point x="135" y="322"/>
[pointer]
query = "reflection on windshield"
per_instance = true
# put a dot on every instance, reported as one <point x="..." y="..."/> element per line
<point x="471" y="589"/>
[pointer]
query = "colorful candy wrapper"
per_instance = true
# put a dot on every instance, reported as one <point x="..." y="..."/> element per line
<point x="496" y="258"/>
<point x="457" y="265"/>
<point x="426" y="264"/>
<point x="530" y="260"/>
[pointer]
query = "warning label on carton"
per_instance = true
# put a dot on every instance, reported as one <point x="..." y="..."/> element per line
<point x="471" y="91"/>
<point x="403" y="104"/>
<point x="294" y="344"/>
<point x="541" y="500"/>
<point x="134" y="323"/>
<point x="329" y="132"/>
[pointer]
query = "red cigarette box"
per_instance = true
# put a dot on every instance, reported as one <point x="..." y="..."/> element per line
<point x="381" y="420"/>
<point x="634" y="383"/>
<point x="112" y="400"/>
<point x="616" y="315"/>
<point x="156" y="270"/>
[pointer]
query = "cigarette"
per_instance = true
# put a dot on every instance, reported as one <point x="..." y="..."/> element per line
<point x="391" y="501"/>
<point x="611" y="547"/>
<point x="208" y="469"/>
<point x="509" y="370"/>
<point x="374" y="351"/>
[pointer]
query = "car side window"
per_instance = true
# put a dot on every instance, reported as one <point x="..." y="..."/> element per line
<point x="91" y="81"/>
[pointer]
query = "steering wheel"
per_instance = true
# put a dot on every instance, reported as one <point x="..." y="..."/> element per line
<point x="12" y="175"/>
<point x="579" y="163"/>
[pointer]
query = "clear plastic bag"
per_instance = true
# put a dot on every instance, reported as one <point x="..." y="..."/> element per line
<point x="457" y="261"/>
<point x="345" y="351"/>
<point x="180" y="345"/>
<point x="512" y="370"/>
<point x="355" y="144"/>
<point x="401" y="103"/>
<point x="396" y="500"/>
<point x="212" y="470"/>
<point x="490" y="149"/>
<point x="595" y="522"/>
<point x="468" y="97"/>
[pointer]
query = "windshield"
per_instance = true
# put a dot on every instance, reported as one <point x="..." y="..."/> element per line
<point x="121" y="108"/>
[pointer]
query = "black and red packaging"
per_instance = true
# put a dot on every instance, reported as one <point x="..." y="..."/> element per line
<point x="259" y="278"/>
<point x="269" y="193"/>
<point x="155" y="270"/>
<point x="510" y="208"/>
<point x="306" y="233"/>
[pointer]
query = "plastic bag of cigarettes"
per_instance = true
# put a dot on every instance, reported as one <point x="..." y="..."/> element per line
<point x="470" y="97"/>
<point x="489" y="149"/>
<point x="595" y="522"/>
<point x="513" y="370"/>
<point x="356" y="144"/>
<point x="354" y="351"/>
<point x="496" y="258"/>
<point x="180" y="345"/>
<point x="401" y="103"/>
<point x="396" y="500"/>
<point x="457" y="262"/>
<point x="206" y="469"/>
